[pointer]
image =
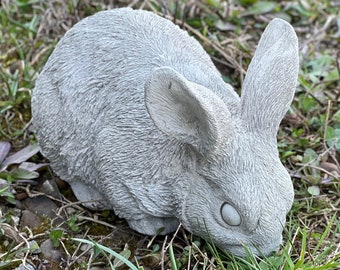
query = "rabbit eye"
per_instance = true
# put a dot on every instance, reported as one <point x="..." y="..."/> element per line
<point x="230" y="215"/>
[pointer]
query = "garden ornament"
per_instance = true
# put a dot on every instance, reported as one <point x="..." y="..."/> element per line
<point x="132" y="113"/>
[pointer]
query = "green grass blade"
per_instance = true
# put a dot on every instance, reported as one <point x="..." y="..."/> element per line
<point x="324" y="235"/>
<point x="172" y="257"/>
<point x="108" y="250"/>
<point x="301" y="259"/>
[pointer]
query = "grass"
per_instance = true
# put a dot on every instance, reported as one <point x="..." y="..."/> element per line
<point x="309" y="137"/>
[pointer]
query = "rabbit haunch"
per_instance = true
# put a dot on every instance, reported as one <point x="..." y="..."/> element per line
<point x="131" y="111"/>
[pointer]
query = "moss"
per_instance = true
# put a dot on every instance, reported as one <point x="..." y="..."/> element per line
<point x="13" y="125"/>
<point x="45" y="225"/>
<point x="98" y="230"/>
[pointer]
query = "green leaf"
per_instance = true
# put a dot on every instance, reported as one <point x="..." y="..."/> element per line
<point x="194" y="22"/>
<point x="336" y="117"/>
<point x="6" y="175"/>
<point x="126" y="253"/>
<point x="333" y="137"/>
<point x="34" y="247"/>
<point x="55" y="236"/>
<point x="314" y="190"/>
<point x="287" y="154"/>
<point x="307" y="103"/>
<point x="72" y="223"/>
<point x="19" y="173"/>
<point x="214" y="3"/>
<point x="260" y="8"/>
<point x="332" y="75"/>
<point x="305" y="83"/>
<point x="7" y="195"/>
<point x="96" y="251"/>
<point x="7" y="107"/>
<point x="311" y="158"/>
<point x="247" y="2"/>
<point x="14" y="87"/>
<point x="302" y="9"/>
<point x="310" y="155"/>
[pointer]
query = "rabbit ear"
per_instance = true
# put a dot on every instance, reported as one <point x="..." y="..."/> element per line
<point x="269" y="85"/>
<point x="187" y="111"/>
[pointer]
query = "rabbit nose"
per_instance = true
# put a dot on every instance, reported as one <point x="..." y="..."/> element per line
<point x="268" y="245"/>
<point x="268" y="232"/>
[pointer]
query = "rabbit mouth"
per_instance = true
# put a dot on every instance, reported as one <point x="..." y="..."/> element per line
<point x="248" y="246"/>
<point x="242" y="250"/>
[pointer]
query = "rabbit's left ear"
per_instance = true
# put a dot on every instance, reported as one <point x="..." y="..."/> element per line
<point x="187" y="111"/>
<point x="269" y="85"/>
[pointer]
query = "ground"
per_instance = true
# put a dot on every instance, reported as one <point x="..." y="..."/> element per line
<point x="39" y="217"/>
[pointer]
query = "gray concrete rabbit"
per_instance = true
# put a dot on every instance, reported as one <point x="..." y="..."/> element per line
<point x="131" y="111"/>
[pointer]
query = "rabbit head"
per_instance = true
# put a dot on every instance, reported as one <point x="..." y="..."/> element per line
<point x="239" y="193"/>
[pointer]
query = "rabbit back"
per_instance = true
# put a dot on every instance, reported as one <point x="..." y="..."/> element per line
<point x="89" y="109"/>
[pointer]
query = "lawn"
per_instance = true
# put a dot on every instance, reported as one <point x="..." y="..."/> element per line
<point x="308" y="140"/>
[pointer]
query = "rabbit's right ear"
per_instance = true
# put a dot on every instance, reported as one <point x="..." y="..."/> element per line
<point x="187" y="111"/>
<point x="269" y="85"/>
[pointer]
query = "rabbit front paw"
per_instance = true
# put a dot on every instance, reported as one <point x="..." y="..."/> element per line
<point x="154" y="225"/>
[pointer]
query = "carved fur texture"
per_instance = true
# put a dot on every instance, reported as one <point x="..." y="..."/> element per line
<point x="131" y="111"/>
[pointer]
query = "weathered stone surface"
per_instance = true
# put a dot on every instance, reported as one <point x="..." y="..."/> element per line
<point x="131" y="111"/>
<point x="30" y="219"/>
<point x="50" y="187"/>
<point x="49" y="252"/>
<point x="41" y="205"/>
<point x="27" y="266"/>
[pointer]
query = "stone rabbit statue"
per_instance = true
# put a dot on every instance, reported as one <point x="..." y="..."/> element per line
<point x="131" y="111"/>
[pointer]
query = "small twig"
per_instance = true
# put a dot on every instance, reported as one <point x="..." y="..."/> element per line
<point x="66" y="251"/>
<point x="318" y="168"/>
<point x="225" y="63"/>
<point x="163" y="252"/>
<point x="313" y="96"/>
<point x="202" y="254"/>
<point x="10" y="231"/>
<point x="34" y="194"/>
<point x="134" y="2"/>
<point x="323" y="29"/>
<point x="30" y="233"/>
<point x="28" y="249"/>
<point x="313" y="160"/>
<point x="189" y="258"/>
<point x="75" y="258"/>
<point x="37" y="57"/>
<point x="97" y="221"/>
<point x="12" y="250"/>
<point x="89" y="261"/>
<point x="174" y="236"/>
<point x="71" y="204"/>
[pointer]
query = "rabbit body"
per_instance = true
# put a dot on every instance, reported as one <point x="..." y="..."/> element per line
<point x="132" y="112"/>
